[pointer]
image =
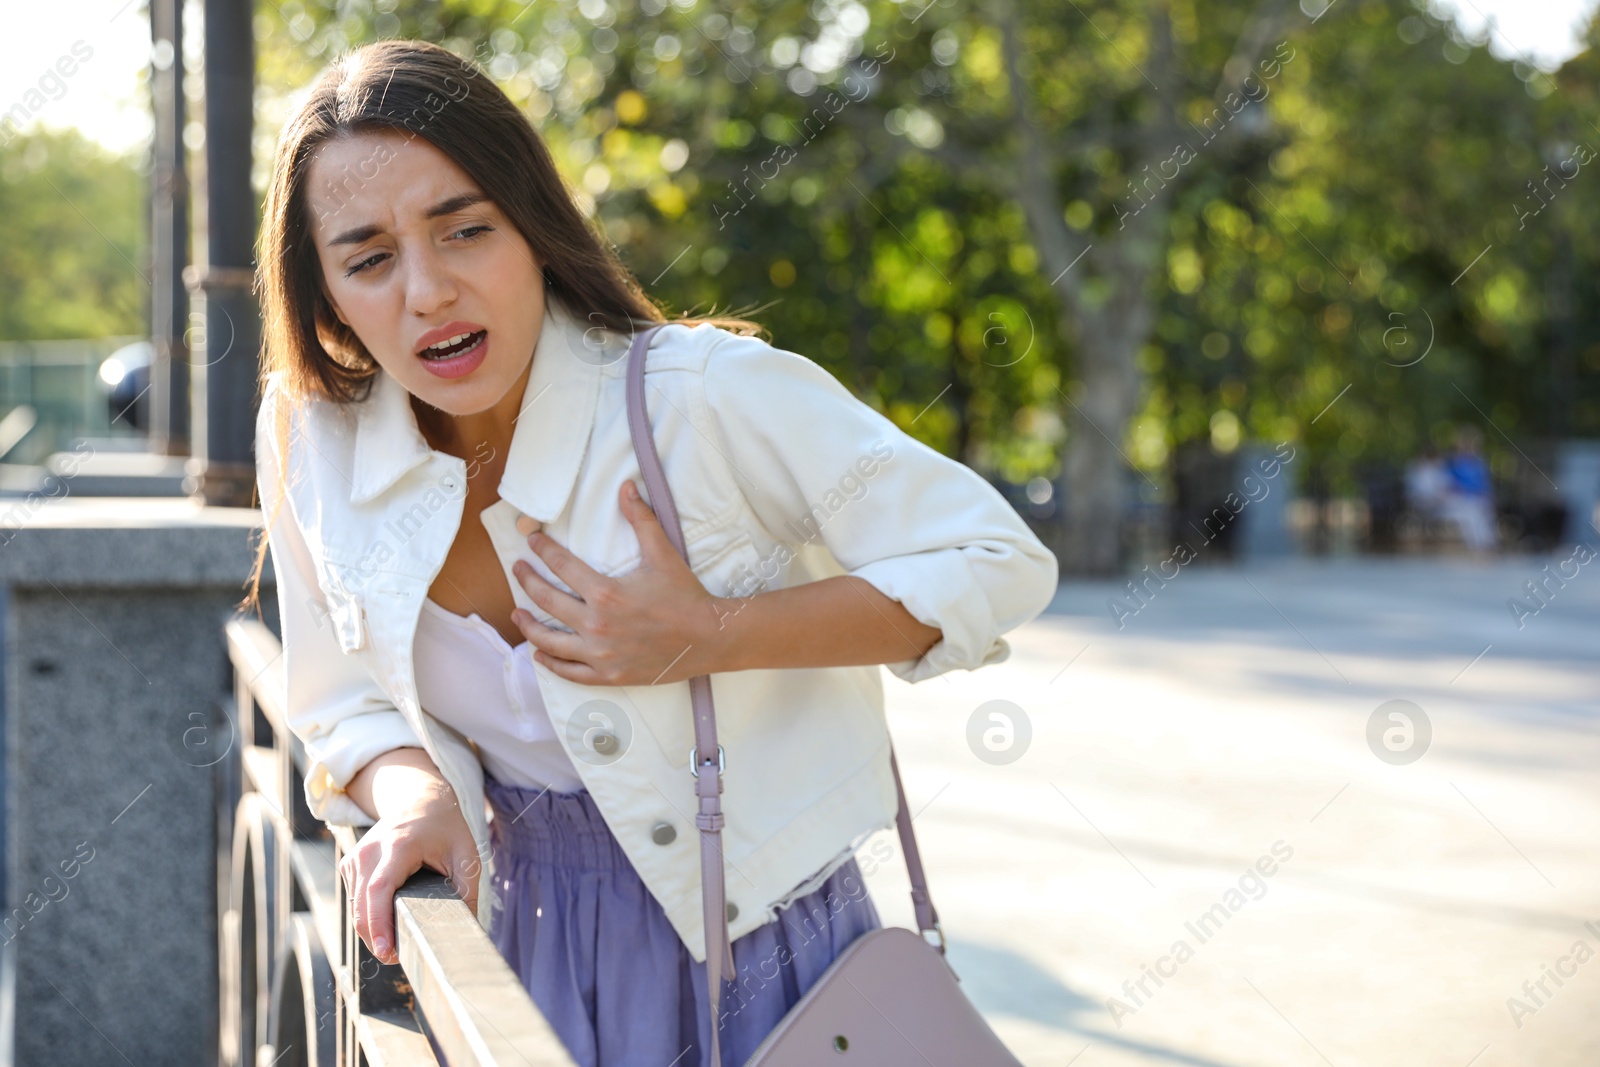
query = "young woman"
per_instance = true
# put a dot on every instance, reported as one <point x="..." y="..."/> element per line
<point x="487" y="635"/>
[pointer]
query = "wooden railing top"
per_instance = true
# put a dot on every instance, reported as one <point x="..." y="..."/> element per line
<point x="476" y="1007"/>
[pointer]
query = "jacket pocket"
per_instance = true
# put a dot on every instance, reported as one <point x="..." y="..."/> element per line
<point x="347" y="610"/>
<point x="349" y="618"/>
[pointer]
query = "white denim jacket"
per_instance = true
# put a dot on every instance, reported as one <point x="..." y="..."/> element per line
<point x="780" y="476"/>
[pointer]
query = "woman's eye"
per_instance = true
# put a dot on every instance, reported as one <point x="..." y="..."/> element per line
<point x="371" y="261"/>
<point x="472" y="231"/>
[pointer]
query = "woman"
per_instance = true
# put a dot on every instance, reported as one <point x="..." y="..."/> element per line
<point x="480" y="610"/>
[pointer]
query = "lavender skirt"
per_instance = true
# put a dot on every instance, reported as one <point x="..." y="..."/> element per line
<point x="604" y="965"/>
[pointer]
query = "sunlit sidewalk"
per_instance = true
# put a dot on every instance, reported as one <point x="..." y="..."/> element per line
<point x="1214" y="848"/>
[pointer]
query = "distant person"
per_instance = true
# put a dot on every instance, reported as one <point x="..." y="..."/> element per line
<point x="1383" y="485"/>
<point x="1426" y="483"/>
<point x="1469" y="497"/>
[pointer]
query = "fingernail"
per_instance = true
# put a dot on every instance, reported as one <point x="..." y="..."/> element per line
<point x="633" y="491"/>
<point x="380" y="947"/>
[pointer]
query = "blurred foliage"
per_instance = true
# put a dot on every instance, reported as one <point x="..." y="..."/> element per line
<point x="1381" y="206"/>
<point x="71" y="262"/>
<point x="1387" y="238"/>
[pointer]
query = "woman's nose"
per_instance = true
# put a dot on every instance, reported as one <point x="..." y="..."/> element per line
<point x="429" y="285"/>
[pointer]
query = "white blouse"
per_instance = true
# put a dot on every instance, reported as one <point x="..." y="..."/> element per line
<point x="457" y="661"/>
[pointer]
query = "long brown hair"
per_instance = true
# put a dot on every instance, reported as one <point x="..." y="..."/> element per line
<point x="421" y="90"/>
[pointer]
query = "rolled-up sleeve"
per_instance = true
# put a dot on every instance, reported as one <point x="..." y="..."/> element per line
<point x="818" y="465"/>
<point x="335" y="707"/>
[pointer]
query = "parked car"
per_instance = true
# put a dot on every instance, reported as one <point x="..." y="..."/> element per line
<point x="127" y="372"/>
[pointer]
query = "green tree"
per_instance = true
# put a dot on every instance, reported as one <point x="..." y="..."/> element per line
<point x="1066" y="238"/>
<point x="73" y="262"/>
<point x="1382" y="253"/>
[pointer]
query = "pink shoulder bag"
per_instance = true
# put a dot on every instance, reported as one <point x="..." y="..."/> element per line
<point x="890" y="999"/>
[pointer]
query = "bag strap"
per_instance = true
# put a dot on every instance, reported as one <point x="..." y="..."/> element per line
<point x="706" y="758"/>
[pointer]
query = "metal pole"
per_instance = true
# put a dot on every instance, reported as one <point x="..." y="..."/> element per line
<point x="223" y="470"/>
<point x="167" y="402"/>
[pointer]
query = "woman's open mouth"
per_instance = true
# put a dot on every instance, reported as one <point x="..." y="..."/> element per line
<point x="457" y="355"/>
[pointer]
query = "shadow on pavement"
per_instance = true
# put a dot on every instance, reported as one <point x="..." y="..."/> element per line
<point x="1005" y="983"/>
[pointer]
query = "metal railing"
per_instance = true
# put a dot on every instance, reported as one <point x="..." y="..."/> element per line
<point x="298" y="987"/>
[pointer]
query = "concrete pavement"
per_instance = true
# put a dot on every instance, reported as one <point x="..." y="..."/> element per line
<point x="1200" y="858"/>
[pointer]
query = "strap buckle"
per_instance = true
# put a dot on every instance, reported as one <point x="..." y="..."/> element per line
<point x="694" y="760"/>
<point x="939" y="932"/>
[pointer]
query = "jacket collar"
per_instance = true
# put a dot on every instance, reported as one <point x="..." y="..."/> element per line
<point x="551" y="434"/>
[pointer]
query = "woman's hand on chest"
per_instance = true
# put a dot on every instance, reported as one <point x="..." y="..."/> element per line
<point x="653" y="625"/>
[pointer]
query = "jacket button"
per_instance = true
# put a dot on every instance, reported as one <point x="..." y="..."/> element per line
<point x="663" y="833"/>
<point x="605" y="744"/>
<point x="527" y="524"/>
<point x="733" y="911"/>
